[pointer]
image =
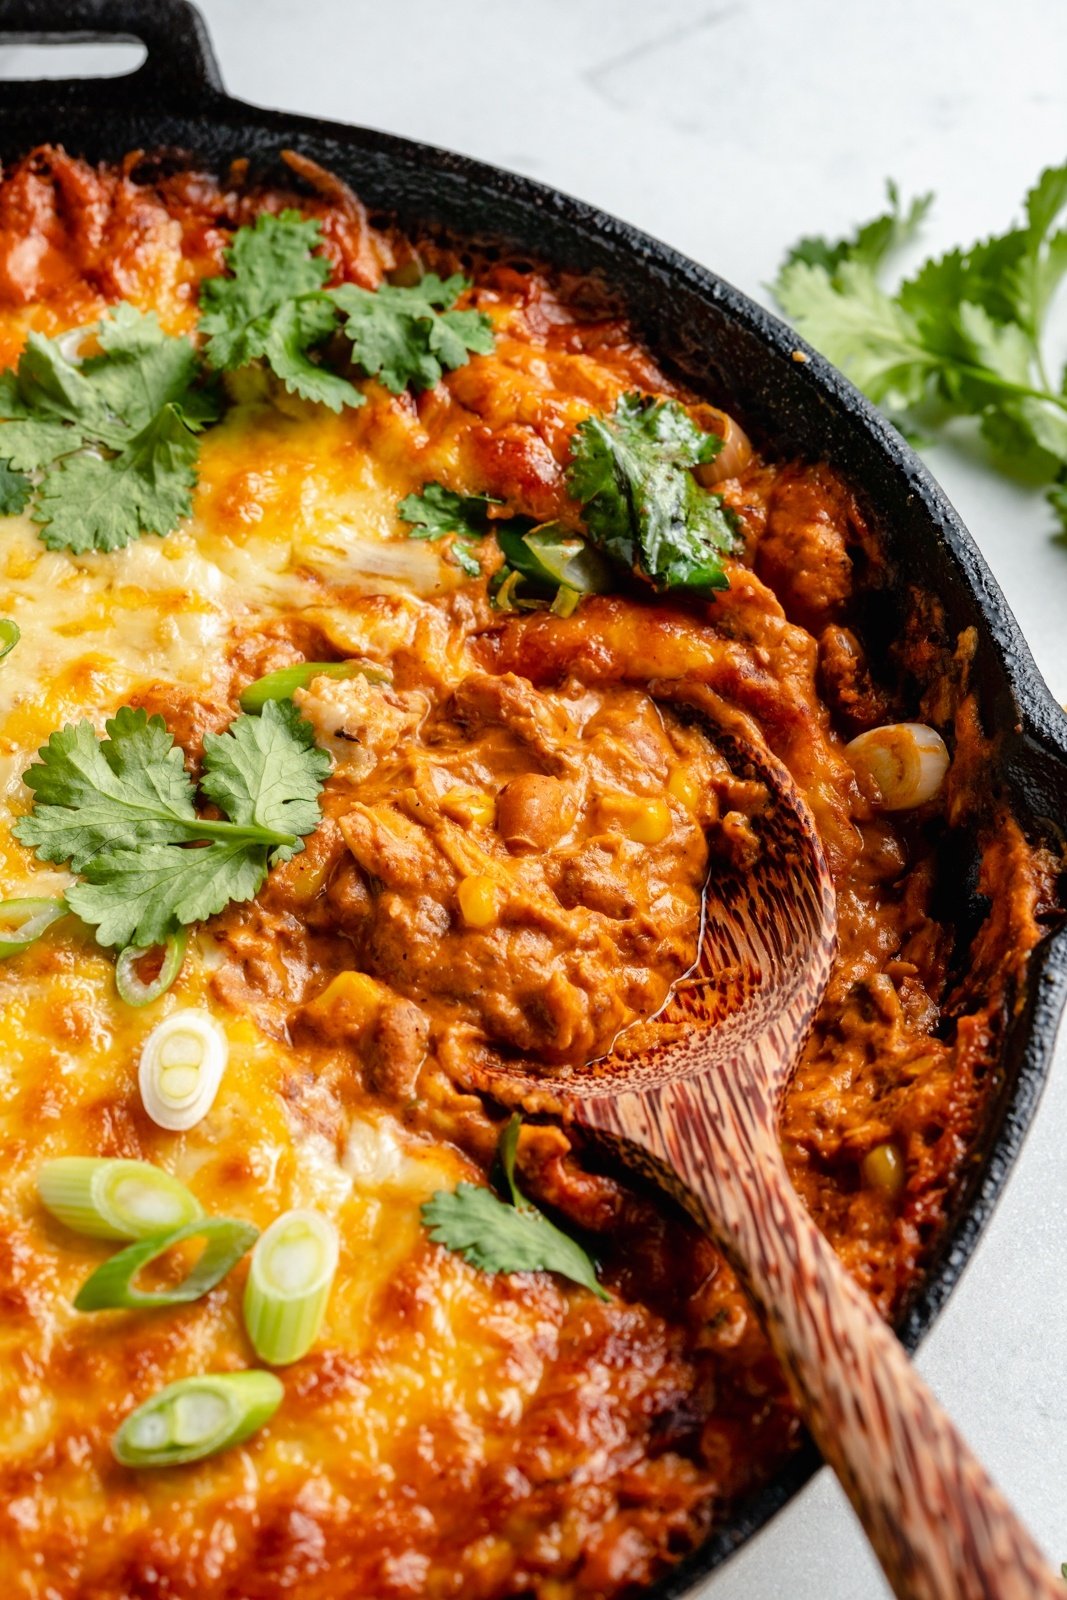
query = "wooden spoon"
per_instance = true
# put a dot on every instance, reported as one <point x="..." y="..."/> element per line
<point x="700" y="1116"/>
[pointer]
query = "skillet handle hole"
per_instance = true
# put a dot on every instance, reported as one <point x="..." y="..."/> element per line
<point x="103" y="58"/>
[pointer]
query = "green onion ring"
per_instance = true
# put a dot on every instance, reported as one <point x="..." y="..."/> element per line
<point x="196" y="1417"/>
<point x="10" y="634"/>
<point x="111" y="1199"/>
<point x="289" y="1281"/>
<point x="111" y="1286"/>
<point x="32" y="917"/>
<point x="129" y="985"/>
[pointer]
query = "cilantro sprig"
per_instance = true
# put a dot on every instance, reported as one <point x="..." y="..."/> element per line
<point x="506" y="1235"/>
<point x="436" y="512"/>
<point x="274" y="307"/>
<point x="121" y="812"/>
<point x="103" y="449"/>
<point x="963" y="337"/>
<point x="408" y="337"/>
<point x="632" y="473"/>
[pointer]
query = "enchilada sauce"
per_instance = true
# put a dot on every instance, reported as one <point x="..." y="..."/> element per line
<point x="515" y="837"/>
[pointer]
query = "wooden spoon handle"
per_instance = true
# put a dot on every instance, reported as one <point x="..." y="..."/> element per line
<point x="938" y="1524"/>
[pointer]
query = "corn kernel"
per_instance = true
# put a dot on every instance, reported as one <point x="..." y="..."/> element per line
<point x="643" y="821"/>
<point x="306" y="880"/>
<point x="479" y="901"/>
<point x="20" y="563"/>
<point x="883" y="1168"/>
<point x="471" y="806"/>
<point x="348" y="1003"/>
<point x="683" y="786"/>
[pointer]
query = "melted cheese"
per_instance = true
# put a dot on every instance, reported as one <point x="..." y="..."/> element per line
<point x="295" y="510"/>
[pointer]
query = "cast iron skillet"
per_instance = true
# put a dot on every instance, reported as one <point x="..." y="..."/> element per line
<point x="730" y="349"/>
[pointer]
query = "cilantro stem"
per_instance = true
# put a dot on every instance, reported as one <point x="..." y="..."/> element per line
<point x="235" y="830"/>
<point x="994" y="381"/>
<point x="936" y="364"/>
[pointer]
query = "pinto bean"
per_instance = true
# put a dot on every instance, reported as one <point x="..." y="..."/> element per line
<point x="533" y="812"/>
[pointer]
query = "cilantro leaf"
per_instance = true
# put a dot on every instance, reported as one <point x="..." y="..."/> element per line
<point x="963" y="337"/>
<point x="872" y="243"/>
<point x="859" y="328"/>
<point x="97" y="502"/>
<point x="408" y="337"/>
<point x="15" y="490"/>
<point x="496" y="1236"/>
<point x="142" y="370"/>
<point x="266" y="771"/>
<point x="272" y="307"/>
<point x="110" y="441"/>
<point x="1057" y="499"/>
<point x="462" y="555"/>
<point x="641" y="503"/>
<point x="51" y="388"/>
<point x="292" y="331"/>
<point x="120" y="811"/>
<point x="436" y="511"/>
<point x="141" y="897"/>
<point x="92" y="793"/>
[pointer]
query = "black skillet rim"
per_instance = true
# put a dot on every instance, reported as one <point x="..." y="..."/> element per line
<point x="178" y="84"/>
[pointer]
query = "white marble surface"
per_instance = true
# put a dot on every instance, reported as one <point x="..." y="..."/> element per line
<point x="728" y="128"/>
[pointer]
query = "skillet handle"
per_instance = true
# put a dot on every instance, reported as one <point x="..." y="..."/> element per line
<point x="179" y="72"/>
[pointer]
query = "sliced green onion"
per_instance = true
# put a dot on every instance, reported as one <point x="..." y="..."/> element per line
<point x="109" y="1199"/>
<point x="182" y="1062"/>
<point x="23" y="921"/>
<point x="565" y="602"/>
<point x="550" y="557"/>
<point x="111" y="1286"/>
<point x="289" y="1283"/>
<point x="502" y="589"/>
<point x="10" y="634"/>
<point x="282" y="684"/>
<point x="129" y="985"/>
<point x="196" y="1417"/>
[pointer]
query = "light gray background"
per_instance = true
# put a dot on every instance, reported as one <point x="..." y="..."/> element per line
<point x="728" y="129"/>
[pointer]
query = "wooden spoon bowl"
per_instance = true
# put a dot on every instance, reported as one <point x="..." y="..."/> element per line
<point x="699" y="1114"/>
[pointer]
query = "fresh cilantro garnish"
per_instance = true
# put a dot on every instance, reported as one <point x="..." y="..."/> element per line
<point x="274" y="307"/>
<point x="437" y="512"/>
<point x="499" y="1237"/>
<point x="408" y="337"/>
<point x="465" y="559"/>
<point x="15" y="490"/>
<point x="641" y="502"/>
<point x="963" y="337"/>
<point x="104" y="448"/>
<point x="121" y="812"/>
<point x="872" y="243"/>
